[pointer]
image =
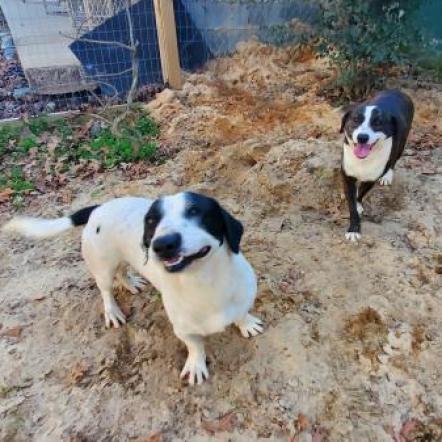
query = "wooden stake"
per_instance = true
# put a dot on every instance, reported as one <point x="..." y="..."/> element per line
<point x="167" y="39"/>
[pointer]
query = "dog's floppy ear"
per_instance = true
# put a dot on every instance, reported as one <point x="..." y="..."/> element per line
<point x="347" y="111"/>
<point x="233" y="230"/>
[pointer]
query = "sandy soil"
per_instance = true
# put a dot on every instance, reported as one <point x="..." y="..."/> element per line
<point x="353" y="345"/>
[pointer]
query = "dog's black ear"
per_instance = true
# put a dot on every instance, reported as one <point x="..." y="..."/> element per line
<point x="151" y="220"/>
<point x="347" y="111"/>
<point x="233" y="230"/>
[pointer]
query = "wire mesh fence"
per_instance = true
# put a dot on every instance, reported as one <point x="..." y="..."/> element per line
<point x="67" y="54"/>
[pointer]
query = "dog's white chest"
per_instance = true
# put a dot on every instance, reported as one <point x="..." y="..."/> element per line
<point x="203" y="306"/>
<point x="370" y="168"/>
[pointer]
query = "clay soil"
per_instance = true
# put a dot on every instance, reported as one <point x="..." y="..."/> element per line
<point x="352" y="349"/>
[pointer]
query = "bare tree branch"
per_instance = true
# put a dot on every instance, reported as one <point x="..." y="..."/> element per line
<point x="99" y="42"/>
<point x="135" y="70"/>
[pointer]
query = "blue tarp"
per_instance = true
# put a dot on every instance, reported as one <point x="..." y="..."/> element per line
<point x="205" y="28"/>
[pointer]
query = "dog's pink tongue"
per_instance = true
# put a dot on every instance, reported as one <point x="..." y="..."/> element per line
<point x="362" y="150"/>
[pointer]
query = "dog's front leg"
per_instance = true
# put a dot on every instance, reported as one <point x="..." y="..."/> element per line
<point x="354" y="231"/>
<point x="195" y="366"/>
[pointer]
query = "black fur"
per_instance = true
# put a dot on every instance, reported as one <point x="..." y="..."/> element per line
<point x="151" y="220"/>
<point x="81" y="217"/>
<point x="393" y="116"/>
<point x="215" y="220"/>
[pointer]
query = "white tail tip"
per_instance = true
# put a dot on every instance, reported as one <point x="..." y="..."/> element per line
<point x="36" y="227"/>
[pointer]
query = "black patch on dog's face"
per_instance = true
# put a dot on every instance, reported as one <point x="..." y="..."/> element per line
<point x="352" y="118"/>
<point x="380" y="121"/>
<point x="214" y="219"/>
<point x="151" y="221"/>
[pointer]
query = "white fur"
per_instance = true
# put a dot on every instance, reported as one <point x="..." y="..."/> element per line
<point x="387" y="179"/>
<point x="38" y="228"/>
<point x="207" y="296"/>
<point x="353" y="236"/>
<point x="359" y="208"/>
<point x="370" y="168"/>
<point x="365" y="128"/>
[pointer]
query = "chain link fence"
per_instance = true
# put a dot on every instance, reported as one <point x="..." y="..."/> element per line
<point x="61" y="55"/>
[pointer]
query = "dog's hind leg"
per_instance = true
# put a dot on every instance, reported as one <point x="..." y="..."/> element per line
<point x="250" y="326"/>
<point x="363" y="189"/>
<point x="112" y="313"/>
<point x="126" y="278"/>
<point x="103" y="269"/>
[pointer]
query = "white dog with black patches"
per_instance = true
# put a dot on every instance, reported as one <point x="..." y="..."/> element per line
<point x="375" y="133"/>
<point x="186" y="245"/>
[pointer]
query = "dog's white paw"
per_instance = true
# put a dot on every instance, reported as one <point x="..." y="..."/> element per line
<point x="113" y="315"/>
<point x="250" y="326"/>
<point x="360" y="208"/>
<point x="353" y="236"/>
<point x="195" y="369"/>
<point x="387" y="179"/>
<point x="135" y="284"/>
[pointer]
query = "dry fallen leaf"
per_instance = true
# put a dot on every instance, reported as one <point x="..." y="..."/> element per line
<point x="224" y="423"/>
<point x="13" y="332"/>
<point x="77" y="373"/>
<point x="53" y="143"/>
<point x="319" y="435"/>
<point x="5" y="195"/>
<point x="407" y="429"/>
<point x="38" y="298"/>
<point x="153" y="437"/>
<point x="302" y="422"/>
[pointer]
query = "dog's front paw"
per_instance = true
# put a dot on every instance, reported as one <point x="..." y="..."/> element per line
<point x="195" y="369"/>
<point x="353" y="236"/>
<point x="387" y="179"/>
<point x="113" y="315"/>
<point x="250" y="326"/>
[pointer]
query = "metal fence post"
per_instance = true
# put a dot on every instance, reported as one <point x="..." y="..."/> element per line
<point x="167" y="40"/>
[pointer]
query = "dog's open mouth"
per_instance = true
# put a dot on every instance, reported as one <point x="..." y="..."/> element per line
<point x="363" y="150"/>
<point x="179" y="262"/>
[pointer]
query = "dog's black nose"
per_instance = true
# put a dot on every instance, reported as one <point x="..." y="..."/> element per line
<point x="362" y="138"/>
<point x="167" y="246"/>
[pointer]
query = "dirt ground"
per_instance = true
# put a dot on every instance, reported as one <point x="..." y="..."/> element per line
<point x="352" y="349"/>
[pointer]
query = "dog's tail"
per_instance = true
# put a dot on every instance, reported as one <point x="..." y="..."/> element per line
<point x="40" y="228"/>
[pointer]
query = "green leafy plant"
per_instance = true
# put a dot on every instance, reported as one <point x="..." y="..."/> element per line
<point x="147" y="127"/>
<point x="119" y="149"/>
<point x="63" y="146"/>
<point x="38" y="125"/>
<point x="15" y="180"/>
<point x="364" y="39"/>
<point x="26" y="144"/>
<point x="8" y="134"/>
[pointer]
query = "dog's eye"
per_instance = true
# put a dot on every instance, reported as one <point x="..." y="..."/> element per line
<point x="150" y="221"/>
<point x="193" y="211"/>
<point x="356" y="119"/>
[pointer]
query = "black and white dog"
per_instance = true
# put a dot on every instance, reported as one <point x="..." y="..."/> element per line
<point x="375" y="133"/>
<point x="186" y="245"/>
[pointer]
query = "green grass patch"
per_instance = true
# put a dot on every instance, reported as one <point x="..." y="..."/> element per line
<point x="44" y="149"/>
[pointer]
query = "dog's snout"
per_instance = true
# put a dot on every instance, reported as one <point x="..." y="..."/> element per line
<point x="363" y="138"/>
<point x="167" y="245"/>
